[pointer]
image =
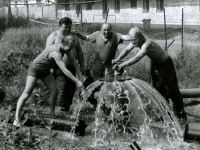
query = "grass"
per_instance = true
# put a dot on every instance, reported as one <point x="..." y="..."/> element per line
<point x="19" y="46"/>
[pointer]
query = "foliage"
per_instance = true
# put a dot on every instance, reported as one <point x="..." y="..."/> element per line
<point x="18" y="47"/>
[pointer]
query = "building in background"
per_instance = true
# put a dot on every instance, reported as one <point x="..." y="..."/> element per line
<point x="126" y="11"/>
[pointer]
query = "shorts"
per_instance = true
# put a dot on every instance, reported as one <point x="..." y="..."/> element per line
<point x="38" y="73"/>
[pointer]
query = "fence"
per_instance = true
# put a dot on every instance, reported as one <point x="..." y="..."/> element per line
<point x="32" y="11"/>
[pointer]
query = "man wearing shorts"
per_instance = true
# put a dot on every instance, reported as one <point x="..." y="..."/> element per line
<point x="40" y="69"/>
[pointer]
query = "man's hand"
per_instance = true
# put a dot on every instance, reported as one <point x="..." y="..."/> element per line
<point x="74" y="32"/>
<point x="120" y="67"/>
<point x="114" y="61"/>
<point x="82" y="93"/>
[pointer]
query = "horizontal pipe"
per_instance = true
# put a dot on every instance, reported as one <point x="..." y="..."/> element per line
<point x="191" y="132"/>
<point x="190" y="93"/>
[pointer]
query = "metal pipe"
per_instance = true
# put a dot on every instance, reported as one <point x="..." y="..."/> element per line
<point x="191" y="132"/>
<point x="62" y="123"/>
<point x="170" y="43"/>
<point x="190" y="93"/>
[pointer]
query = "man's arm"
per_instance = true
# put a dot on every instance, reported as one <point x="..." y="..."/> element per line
<point x="58" y="58"/>
<point x="80" y="35"/>
<point x="136" y="58"/>
<point x="125" y="38"/>
<point x="80" y="56"/>
<point x="91" y="37"/>
<point x="75" y="65"/>
<point x="124" y="53"/>
<point x="50" y="39"/>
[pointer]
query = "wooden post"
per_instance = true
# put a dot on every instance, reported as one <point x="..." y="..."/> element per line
<point x="42" y="11"/>
<point x="107" y="15"/>
<point x="182" y="31"/>
<point x="27" y="10"/>
<point x="81" y="17"/>
<point x="104" y="7"/>
<point x="56" y="9"/>
<point x="165" y="30"/>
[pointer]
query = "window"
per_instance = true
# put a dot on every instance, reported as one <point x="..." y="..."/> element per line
<point x="159" y="5"/>
<point x="145" y="6"/>
<point x="67" y="7"/>
<point x="38" y="1"/>
<point x="117" y="6"/>
<point x="133" y="3"/>
<point x="89" y="5"/>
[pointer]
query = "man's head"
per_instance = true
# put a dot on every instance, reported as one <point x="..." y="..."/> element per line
<point x="106" y="29"/>
<point x="65" y="25"/>
<point x="68" y="43"/>
<point x="136" y="36"/>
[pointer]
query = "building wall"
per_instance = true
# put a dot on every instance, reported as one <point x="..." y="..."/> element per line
<point x="173" y="11"/>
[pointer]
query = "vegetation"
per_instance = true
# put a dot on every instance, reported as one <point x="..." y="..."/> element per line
<point x="20" y="44"/>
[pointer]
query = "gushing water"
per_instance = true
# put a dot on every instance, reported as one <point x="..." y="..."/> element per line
<point x="131" y="110"/>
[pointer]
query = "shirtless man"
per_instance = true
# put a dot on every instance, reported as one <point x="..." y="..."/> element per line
<point x="107" y="42"/>
<point x="66" y="92"/>
<point x="162" y="68"/>
<point x="40" y="69"/>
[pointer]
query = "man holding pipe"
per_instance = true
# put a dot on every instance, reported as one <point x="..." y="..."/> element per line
<point x="162" y="69"/>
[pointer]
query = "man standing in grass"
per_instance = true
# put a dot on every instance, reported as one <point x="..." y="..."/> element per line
<point x="66" y="86"/>
<point x="40" y="69"/>
<point x="162" y="68"/>
<point x="107" y="43"/>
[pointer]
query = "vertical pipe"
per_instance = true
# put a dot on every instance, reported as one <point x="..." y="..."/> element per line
<point x="81" y="17"/>
<point x="165" y="30"/>
<point x="182" y="31"/>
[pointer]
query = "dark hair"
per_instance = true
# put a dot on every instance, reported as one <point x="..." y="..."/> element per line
<point x="65" y="21"/>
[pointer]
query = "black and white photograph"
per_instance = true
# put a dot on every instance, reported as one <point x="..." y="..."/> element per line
<point x="99" y="74"/>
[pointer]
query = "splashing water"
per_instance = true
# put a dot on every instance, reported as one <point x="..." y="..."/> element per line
<point x="132" y="110"/>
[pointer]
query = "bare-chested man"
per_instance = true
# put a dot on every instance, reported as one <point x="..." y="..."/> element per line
<point x="162" y="68"/>
<point x="66" y="92"/>
<point x="40" y="69"/>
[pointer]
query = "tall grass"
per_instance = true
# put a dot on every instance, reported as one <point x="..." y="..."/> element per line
<point x="19" y="46"/>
